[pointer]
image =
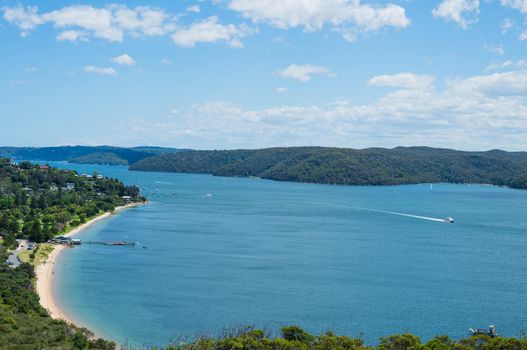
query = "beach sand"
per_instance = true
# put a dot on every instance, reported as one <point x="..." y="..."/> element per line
<point x="45" y="271"/>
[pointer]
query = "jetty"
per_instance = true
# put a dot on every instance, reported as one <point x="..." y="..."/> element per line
<point x="122" y="243"/>
<point x="72" y="242"/>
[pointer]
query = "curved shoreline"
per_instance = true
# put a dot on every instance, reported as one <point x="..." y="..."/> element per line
<point x="44" y="272"/>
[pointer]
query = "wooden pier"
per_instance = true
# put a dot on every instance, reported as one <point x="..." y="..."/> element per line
<point x="74" y="241"/>
<point x="113" y="243"/>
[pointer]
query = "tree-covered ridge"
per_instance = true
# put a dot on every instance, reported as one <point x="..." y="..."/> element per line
<point x="85" y="154"/>
<point x="109" y="158"/>
<point x="372" y="166"/>
<point x="38" y="202"/>
<point x="295" y="338"/>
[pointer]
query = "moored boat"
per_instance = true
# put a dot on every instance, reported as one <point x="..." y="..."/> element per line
<point x="491" y="332"/>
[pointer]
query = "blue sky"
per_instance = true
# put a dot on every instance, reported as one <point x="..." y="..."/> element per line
<point x="256" y="73"/>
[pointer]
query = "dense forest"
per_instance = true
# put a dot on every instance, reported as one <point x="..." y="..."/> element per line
<point x="38" y="202"/>
<point x="372" y="166"/>
<point x="85" y="154"/>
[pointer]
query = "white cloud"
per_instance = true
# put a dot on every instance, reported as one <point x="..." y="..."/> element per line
<point x="144" y="20"/>
<point x="478" y="112"/>
<point x="194" y="9"/>
<point x="25" y="18"/>
<point x="498" y="50"/>
<point x="111" y="22"/>
<point x="508" y="64"/>
<point x="302" y="72"/>
<point x="281" y="90"/>
<point x="462" y="12"/>
<point x="166" y="62"/>
<point x="497" y="84"/>
<point x="31" y="69"/>
<point x="71" y="35"/>
<point x="348" y="17"/>
<point x="520" y="5"/>
<point x="100" y="70"/>
<point x="500" y="65"/>
<point x="210" y="31"/>
<point x="403" y="81"/>
<point x="114" y="22"/>
<point x="124" y="60"/>
<point x="506" y="25"/>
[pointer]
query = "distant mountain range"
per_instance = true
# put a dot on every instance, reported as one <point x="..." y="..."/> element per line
<point x="372" y="166"/>
<point x="86" y="154"/>
<point x="325" y="165"/>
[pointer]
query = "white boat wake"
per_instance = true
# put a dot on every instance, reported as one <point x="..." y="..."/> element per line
<point x="163" y="183"/>
<point x="402" y="214"/>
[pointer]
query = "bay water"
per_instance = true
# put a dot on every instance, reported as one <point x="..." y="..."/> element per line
<point x="217" y="252"/>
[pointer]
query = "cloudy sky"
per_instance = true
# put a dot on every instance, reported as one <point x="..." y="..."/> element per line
<point x="221" y="74"/>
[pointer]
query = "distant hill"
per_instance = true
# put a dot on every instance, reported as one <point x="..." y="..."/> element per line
<point x="100" y="158"/>
<point x="86" y="154"/>
<point x="372" y="166"/>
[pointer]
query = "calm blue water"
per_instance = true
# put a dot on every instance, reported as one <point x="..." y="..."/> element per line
<point x="274" y="253"/>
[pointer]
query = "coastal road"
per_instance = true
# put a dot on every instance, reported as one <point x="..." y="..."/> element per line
<point x="12" y="259"/>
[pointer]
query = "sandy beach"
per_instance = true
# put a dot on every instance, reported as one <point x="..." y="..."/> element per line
<point x="45" y="271"/>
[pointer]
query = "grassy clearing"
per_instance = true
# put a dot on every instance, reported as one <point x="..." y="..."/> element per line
<point x="43" y="252"/>
<point x="25" y="256"/>
<point x="36" y="256"/>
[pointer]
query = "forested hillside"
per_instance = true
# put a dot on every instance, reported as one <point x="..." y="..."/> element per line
<point x="39" y="202"/>
<point x="85" y="154"/>
<point x="372" y="166"/>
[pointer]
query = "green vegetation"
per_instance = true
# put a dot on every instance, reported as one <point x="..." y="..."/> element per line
<point x="372" y="166"/>
<point x="85" y="154"/>
<point x="294" y="338"/>
<point x="39" y="202"/>
<point x="25" y="325"/>
<point x="37" y="255"/>
<point x="100" y="158"/>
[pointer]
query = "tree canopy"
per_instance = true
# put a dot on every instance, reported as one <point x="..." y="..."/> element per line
<point x="38" y="202"/>
<point x="373" y="166"/>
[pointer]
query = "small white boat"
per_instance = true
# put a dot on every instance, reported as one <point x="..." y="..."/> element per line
<point x="450" y="220"/>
